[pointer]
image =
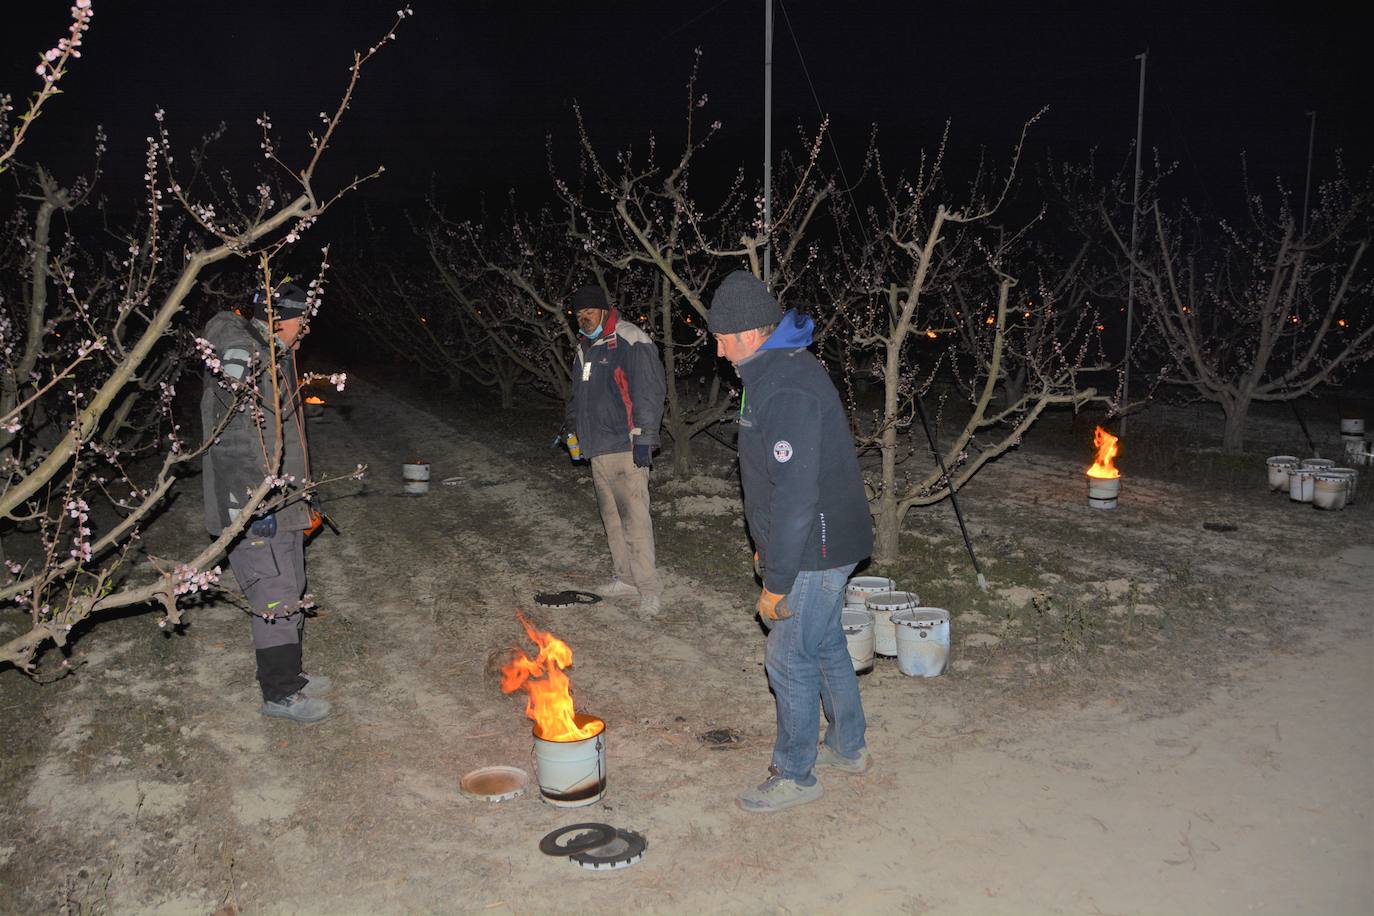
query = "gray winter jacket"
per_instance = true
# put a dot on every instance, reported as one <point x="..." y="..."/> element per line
<point x="618" y="391"/>
<point x="238" y="460"/>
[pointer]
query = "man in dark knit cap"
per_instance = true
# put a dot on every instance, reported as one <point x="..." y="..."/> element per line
<point x="808" y="515"/>
<point x="257" y="365"/>
<point x="612" y="420"/>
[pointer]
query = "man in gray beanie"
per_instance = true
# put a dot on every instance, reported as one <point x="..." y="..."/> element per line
<point x="794" y="435"/>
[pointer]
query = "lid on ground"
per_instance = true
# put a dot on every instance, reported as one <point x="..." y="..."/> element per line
<point x="626" y="849"/>
<point x="494" y="783"/>
<point x="567" y="598"/>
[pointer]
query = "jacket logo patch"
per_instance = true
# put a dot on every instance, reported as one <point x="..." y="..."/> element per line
<point x="782" y="451"/>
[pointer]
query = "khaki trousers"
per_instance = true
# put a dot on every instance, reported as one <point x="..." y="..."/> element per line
<point x="622" y="494"/>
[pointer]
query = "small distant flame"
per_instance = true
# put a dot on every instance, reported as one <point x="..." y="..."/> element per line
<point x="314" y="400"/>
<point x="1104" y="464"/>
<point x="550" y="702"/>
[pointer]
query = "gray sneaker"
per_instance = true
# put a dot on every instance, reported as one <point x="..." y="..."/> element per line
<point x="298" y="708"/>
<point x="649" y="607"/>
<point x="615" y="589"/>
<point x="852" y="766"/>
<point x="776" y="794"/>
<point x="317" y="685"/>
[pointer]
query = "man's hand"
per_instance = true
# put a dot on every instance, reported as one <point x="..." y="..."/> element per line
<point x="773" y="607"/>
<point x="644" y="456"/>
<point x="264" y="526"/>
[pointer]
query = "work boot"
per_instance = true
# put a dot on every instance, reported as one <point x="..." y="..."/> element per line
<point x="317" y="685"/>
<point x="648" y="607"/>
<point x="852" y="766"/>
<point x="298" y="708"/>
<point x="777" y="794"/>
<point x="615" y="589"/>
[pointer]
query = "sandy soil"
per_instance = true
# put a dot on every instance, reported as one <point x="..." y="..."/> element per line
<point x="1143" y="717"/>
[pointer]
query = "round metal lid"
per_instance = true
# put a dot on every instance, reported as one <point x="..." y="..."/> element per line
<point x="494" y="783"/>
<point x="584" y="837"/>
<point x="921" y="617"/>
<point x="892" y="600"/>
<point x="626" y="849"/>
<point x="568" y="598"/>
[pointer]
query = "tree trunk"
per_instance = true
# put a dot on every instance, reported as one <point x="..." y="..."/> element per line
<point x="1233" y="433"/>
<point x="506" y="382"/>
<point x="888" y="518"/>
<point x="682" y="449"/>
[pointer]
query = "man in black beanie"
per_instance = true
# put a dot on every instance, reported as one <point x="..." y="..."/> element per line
<point x="257" y="363"/>
<point x="808" y="515"/>
<point x="612" y="420"/>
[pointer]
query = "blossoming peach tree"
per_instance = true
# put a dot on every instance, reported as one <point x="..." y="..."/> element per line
<point x="92" y="346"/>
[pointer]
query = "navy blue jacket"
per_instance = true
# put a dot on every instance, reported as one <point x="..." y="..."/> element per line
<point x="804" y="497"/>
<point x="618" y="389"/>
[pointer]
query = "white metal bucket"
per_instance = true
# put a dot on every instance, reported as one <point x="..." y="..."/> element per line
<point x="922" y="641"/>
<point x="416" y="477"/>
<point x="883" y="606"/>
<point x="860" y="587"/>
<point x="572" y="774"/>
<point x="858" y="636"/>
<point x="1317" y="463"/>
<point x="1352" y="482"/>
<point x="1300" y="484"/>
<point x="1279" y="466"/>
<point x="1103" y="491"/>
<point x="1329" y="490"/>
<point x="1352" y="426"/>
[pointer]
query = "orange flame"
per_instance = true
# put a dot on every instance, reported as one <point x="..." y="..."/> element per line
<point x="314" y="400"/>
<point x="550" y="702"/>
<point x="1107" y="449"/>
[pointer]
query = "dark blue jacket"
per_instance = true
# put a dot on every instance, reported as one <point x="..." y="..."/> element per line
<point x="618" y="389"/>
<point x="804" y="497"/>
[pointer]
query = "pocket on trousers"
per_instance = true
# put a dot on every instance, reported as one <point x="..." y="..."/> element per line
<point x="258" y="562"/>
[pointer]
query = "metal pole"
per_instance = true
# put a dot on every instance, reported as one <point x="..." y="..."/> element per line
<point x="767" y="137"/>
<point x="953" y="494"/>
<point x="1307" y="189"/>
<point x="1135" y="212"/>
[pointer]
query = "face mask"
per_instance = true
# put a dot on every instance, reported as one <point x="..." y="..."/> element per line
<point x="594" y="333"/>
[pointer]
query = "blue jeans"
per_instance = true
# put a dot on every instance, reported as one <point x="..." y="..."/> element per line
<point x="807" y="661"/>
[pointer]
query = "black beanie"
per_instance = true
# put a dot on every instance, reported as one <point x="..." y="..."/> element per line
<point x="589" y="297"/>
<point x="288" y="302"/>
<point x="742" y="303"/>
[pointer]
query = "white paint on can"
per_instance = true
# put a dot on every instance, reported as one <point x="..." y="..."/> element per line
<point x="1352" y="426"/>
<point x="1279" y="466"/>
<point x="857" y="624"/>
<point x="572" y="774"/>
<point x="1329" y="490"/>
<point x="883" y="606"/>
<point x="1300" y="484"/>
<point x="416" y="478"/>
<point x="1103" y="491"/>
<point x="922" y="641"/>
<point x="860" y="587"/>
<point x="1352" y="482"/>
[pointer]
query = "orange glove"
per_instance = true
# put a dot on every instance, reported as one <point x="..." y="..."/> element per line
<point x="772" y="607"/>
<point x="316" y="522"/>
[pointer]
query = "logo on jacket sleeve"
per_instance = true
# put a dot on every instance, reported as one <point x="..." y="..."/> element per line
<point x="782" y="451"/>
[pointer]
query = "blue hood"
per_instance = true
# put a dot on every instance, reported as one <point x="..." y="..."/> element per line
<point x="793" y="332"/>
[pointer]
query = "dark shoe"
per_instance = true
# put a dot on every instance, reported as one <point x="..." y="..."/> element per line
<point x="298" y="708"/>
<point x="317" y="685"/>
<point x="852" y="766"/>
<point x="777" y="794"/>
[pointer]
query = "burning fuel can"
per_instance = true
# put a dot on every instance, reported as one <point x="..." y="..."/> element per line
<point x="1103" y="491"/>
<point x="572" y="773"/>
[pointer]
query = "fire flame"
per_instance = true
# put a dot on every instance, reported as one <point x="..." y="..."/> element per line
<point x="550" y="702"/>
<point x="1107" y="449"/>
<point x="314" y="400"/>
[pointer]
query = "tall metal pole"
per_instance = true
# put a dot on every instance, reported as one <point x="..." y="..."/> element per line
<point x="767" y="137"/>
<point x="1135" y="212"/>
<point x="1307" y="189"/>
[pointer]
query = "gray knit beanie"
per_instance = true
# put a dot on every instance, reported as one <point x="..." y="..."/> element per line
<point x="742" y="303"/>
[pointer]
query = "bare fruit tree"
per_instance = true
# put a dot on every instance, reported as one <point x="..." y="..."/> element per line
<point x="1259" y="310"/>
<point x="927" y="291"/>
<point x="74" y="504"/>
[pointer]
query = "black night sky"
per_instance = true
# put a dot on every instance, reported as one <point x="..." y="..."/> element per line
<point x="472" y="89"/>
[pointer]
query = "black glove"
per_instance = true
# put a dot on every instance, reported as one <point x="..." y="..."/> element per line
<point x="644" y="456"/>
<point x="264" y="526"/>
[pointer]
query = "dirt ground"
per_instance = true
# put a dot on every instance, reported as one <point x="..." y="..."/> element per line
<point x="1143" y="715"/>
